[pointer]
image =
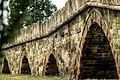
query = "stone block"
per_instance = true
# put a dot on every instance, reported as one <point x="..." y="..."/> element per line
<point x="63" y="14"/>
<point x="51" y="21"/>
<point x="93" y="0"/>
<point x="116" y="2"/>
<point x="119" y="60"/>
<point x="118" y="36"/>
<point x="111" y="2"/>
<point x="115" y="31"/>
<point x="38" y="29"/>
<point x="66" y="11"/>
<point x="46" y="26"/>
<point x="54" y="19"/>
<point x="70" y="7"/>
<point x="35" y="29"/>
<point x="74" y="6"/>
<point x="43" y="28"/>
<point x="58" y="17"/>
<point x="80" y="3"/>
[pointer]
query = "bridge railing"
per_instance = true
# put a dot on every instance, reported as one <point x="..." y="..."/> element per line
<point x="57" y="19"/>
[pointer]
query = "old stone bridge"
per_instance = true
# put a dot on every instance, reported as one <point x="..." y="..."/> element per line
<point x="81" y="40"/>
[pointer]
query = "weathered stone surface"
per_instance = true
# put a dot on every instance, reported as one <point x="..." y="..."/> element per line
<point x="64" y="36"/>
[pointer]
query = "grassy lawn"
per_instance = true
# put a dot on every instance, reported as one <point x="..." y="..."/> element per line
<point x="29" y="77"/>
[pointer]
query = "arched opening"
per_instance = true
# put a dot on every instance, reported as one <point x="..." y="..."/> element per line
<point x="5" y="69"/>
<point x="51" y="67"/>
<point x="97" y="60"/>
<point x="25" y="69"/>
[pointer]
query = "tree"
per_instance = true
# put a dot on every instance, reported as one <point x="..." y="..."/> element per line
<point x="17" y="13"/>
<point x="1" y="22"/>
<point x="40" y="10"/>
<point x="17" y="16"/>
<point x="22" y="12"/>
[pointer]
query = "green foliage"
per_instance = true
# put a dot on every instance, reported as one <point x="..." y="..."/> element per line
<point x="23" y="13"/>
<point x="40" y="10"/>
<point x="26" y="12"/>
<point x="2" y="24"/>
<point x="17" y="16"/>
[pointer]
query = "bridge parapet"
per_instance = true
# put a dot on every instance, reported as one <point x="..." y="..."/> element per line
<point x="58" y="19"/>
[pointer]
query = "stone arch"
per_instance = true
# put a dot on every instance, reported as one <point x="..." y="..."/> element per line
<point x="93" y="17"/>
<point x="97" y="60"/>
<point x="51" y="66"/>
<point x="25" y="67"/>
<point x="5" y="69"/>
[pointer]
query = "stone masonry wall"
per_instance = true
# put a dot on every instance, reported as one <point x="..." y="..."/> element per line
<point x="64" y="35"/>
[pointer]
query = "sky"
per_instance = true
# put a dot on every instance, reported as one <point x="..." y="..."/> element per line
<point x="59" y="3"/>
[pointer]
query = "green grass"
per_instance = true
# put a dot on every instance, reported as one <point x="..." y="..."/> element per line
<point x="29" y="77"/>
